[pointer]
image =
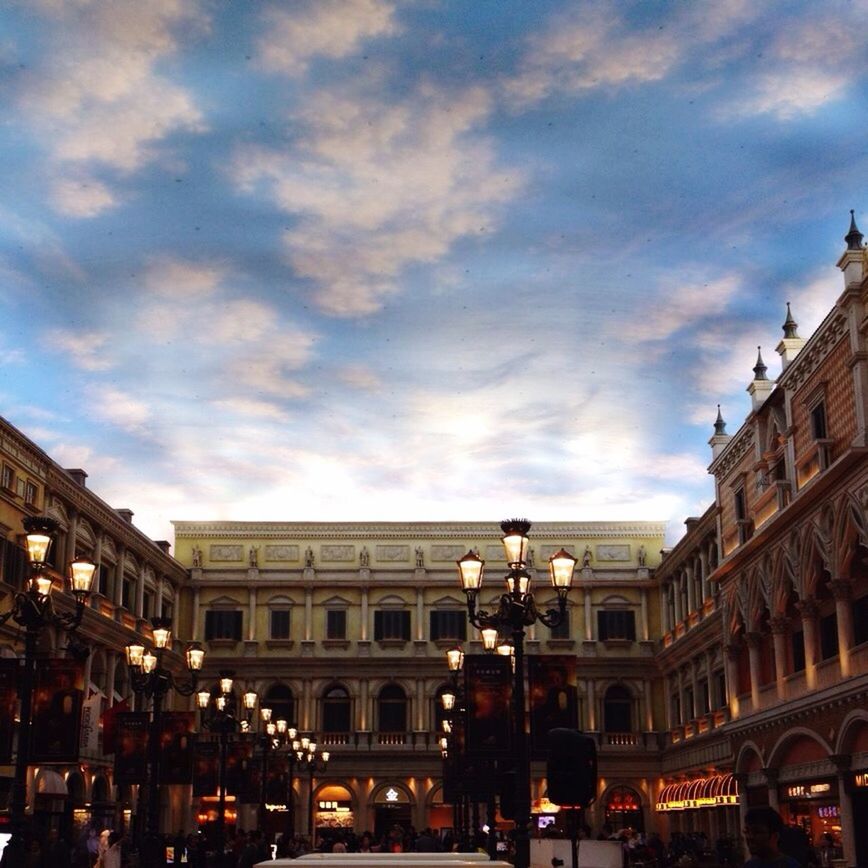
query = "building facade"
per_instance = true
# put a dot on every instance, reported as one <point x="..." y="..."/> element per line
<point x="345" y="626"/>
<point x="136" y="579"/>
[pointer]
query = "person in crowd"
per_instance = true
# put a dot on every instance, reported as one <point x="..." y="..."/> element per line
<point x="762" y="833"/>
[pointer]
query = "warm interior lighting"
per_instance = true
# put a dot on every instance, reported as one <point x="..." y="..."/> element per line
<point x="81" y="573"/>
<point x="220" y="702"/>
<point x="134" y="655"/>
<point x="312" y="747"/>
<point x="162" y="634"/>
<point x="149" y="662"/>
<point x="562" y="565"/>
<point x="305" y="742"/>
<point x="447" y="697"/>
<point x="265" y="713"/>
<point x="505" y="648"/>
<point x="470" y="570"/>
<point x="296" y="746"/>
<point x="226" y="682"/>
<point x="325" y="756"/>
<point x="282" y="726"/>
<point x="444" y="742"/>
<point x="202" y="698"/>
<point x="447" y="727"/>
<point x="271" y="728"/>
<point x="250" y="700"/>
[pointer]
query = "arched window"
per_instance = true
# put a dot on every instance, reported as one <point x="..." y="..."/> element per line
<point x="392" y="709"/>
<point x="280" y="700"/>
<point x="336" y="710"/>
<point x="618" y="709"/>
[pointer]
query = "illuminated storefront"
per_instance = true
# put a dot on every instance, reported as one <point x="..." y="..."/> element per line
<point x="333" y="810"/>
<point x="708" y="805"/>
<point x="813" y="807"/>
<point x="624" y="809"/>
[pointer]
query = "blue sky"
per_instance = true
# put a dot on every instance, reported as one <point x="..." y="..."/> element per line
<point x="371" y="259"/>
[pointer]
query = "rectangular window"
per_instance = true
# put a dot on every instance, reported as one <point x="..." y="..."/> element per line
<point x="616" y="624"/>
<point x="7" y="480"/>
<point x="168" y="609"/>
<point x="704" y="707"/>
<point x="103" y="574"/>
<point x="30" y="492"/>
<point x="449" y="625"/>
<point x="818" y="421"/>
<point x="280" y="624"/>
<point x="223" y="624"/>
<point x="127" y="594"/>
<point x="797" y="646"/>
<point x="392" y="624"/>
<point x="148" y="604"/>
<point x="740" y="509"/>
<point x="562" y="631"/>
<point x="336" y="624"/>
<point x="829" y="636"/>
<point x="676" y="709"/>
<point x="15" y="565"/>
<point x="720" y="682"/>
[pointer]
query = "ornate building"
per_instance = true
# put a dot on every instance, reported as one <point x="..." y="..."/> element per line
<point x="345" y="626"/>
<point x="136" y="579"/>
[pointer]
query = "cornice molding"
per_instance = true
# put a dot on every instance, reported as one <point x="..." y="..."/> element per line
<point x="408" y="530"/>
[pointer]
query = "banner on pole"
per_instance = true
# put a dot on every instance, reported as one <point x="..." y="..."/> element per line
<point x="109" y="724"/>
<point x="8" y="703"/>
<point x="131" y="747"/>
<point x="90" y="723"/>
<point x="58" y="692"/>
<point x="488" y="692"/>
<point x="553" y="698"/>
<point x="206" y="767"/>
<point x="176" y="747"/>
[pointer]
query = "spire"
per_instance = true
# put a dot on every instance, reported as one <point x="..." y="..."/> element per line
<point x="854" y="236"/>
<point x="790" y="326"/>
<point x="719" y="424"/>
<point x="759" y="371"/>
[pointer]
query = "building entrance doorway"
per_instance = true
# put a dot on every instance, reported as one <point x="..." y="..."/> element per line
<point x="387" y="816"/>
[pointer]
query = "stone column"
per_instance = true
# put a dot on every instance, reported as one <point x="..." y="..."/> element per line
<point x="730" y="656"/>
<point x="197" y="621"/>
<point x="118" y="589"/>
<point x="69" y="549"/>
<point x="842" y="590"/>
<point x="421" y="705"/>
<point x="808" y="611"/>
<point x="364" y="724"/>
<point x="420" y="615"/>
<point x="158" y="600"/>
<point x="753" y="650"/>
<point x="251" y="615"/>
<point x="694" y="684"/>
<point x="308" y="613"/>
<point x="845" y="800"/>
<point x="646" y="633"/>
<point x="703" y="575"/>
<point x="592" y="705"/>
<point x="586" y="600"/>
<point x="649" y="706"/>
<point x="676" y="587"/>
<point x="772" y="784"/>
<point x="306" y="718"/>
<point x="111" y="665"/>
<point x="780" y="626"/>
<point x="691" y="591"/>
<point x="741" y="783"/>
<point x="140" y="594"/>
<point x="363" y="627"/>
<point x="664" y="609"/>
<point x="682" y="705"/>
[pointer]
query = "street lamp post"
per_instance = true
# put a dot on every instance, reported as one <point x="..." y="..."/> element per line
<point x="223" y="721"/>
<point x="308" y="760"/>
<point x="32" y="609"/>
<point x="453" y="708"/>
<point x="516" y="610"/>
<point x="151" y="678"/>
<point x="279" y="735"/>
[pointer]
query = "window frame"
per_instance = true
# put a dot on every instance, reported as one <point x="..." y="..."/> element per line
<point x="238" y="617"/>
<point x="447" y="618"/>
<point x="280" y="611"/>
<point x="627" y="634"/>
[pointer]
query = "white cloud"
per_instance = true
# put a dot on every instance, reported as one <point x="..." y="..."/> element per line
<point x="590" y="48"/>
<point x="377" y="188"/>
<point x="177" y="278"/>
<point x="788" y="93"/>
<point x="118" y="408"/>
<point x="293" y="35"/>
<point x="360" y="377"/>
<point x="85" y="349"/>
<point x="246" y="407"/>
<point x="82" y="197"/>
<point x="95" y="94"/>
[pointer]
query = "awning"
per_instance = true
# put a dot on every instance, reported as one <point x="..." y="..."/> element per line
<point x="711" y="792"/>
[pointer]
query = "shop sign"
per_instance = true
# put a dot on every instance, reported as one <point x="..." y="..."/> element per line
<point x="828" y="812"/>
<point x="337" y="807"/>
<point x="391" y="796"/>
<point x="808" y="791"/>
<point x="860" y="779"/>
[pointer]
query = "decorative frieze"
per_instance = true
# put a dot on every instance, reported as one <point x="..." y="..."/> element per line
<point x="337" y="553"/>
<point x="281" y="553"/>
<point x="226" y="553"/>
<point x="447" y="553"/>
<point x="613" y="553"/>
<point x="393" y="554"/>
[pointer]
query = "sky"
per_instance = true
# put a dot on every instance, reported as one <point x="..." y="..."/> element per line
<point x="414" y="259"/>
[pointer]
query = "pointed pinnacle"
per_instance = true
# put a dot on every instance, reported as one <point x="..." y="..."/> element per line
<point x="790" y="326"/>
<point x="719" y="425"/>
<point x="759" y="371"/>
<point x="854" y="236"/>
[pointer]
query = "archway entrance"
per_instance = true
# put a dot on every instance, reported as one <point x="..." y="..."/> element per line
<point x="392" y="808"/>
<point x="332" y="811"/>
<point x="624" y="809"/>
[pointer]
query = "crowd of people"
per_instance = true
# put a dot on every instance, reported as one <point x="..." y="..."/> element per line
<point x="768" y="841"/>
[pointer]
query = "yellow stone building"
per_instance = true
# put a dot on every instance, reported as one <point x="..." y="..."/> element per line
<point x="344" y="626"/>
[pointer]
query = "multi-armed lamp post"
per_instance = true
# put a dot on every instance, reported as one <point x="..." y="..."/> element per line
<point x="450" y="740"/>
<point x="32" y="608"/>
<point x="151" y="678"/>
<point x="224" y="720"/>
<point x="516" y="610"/>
